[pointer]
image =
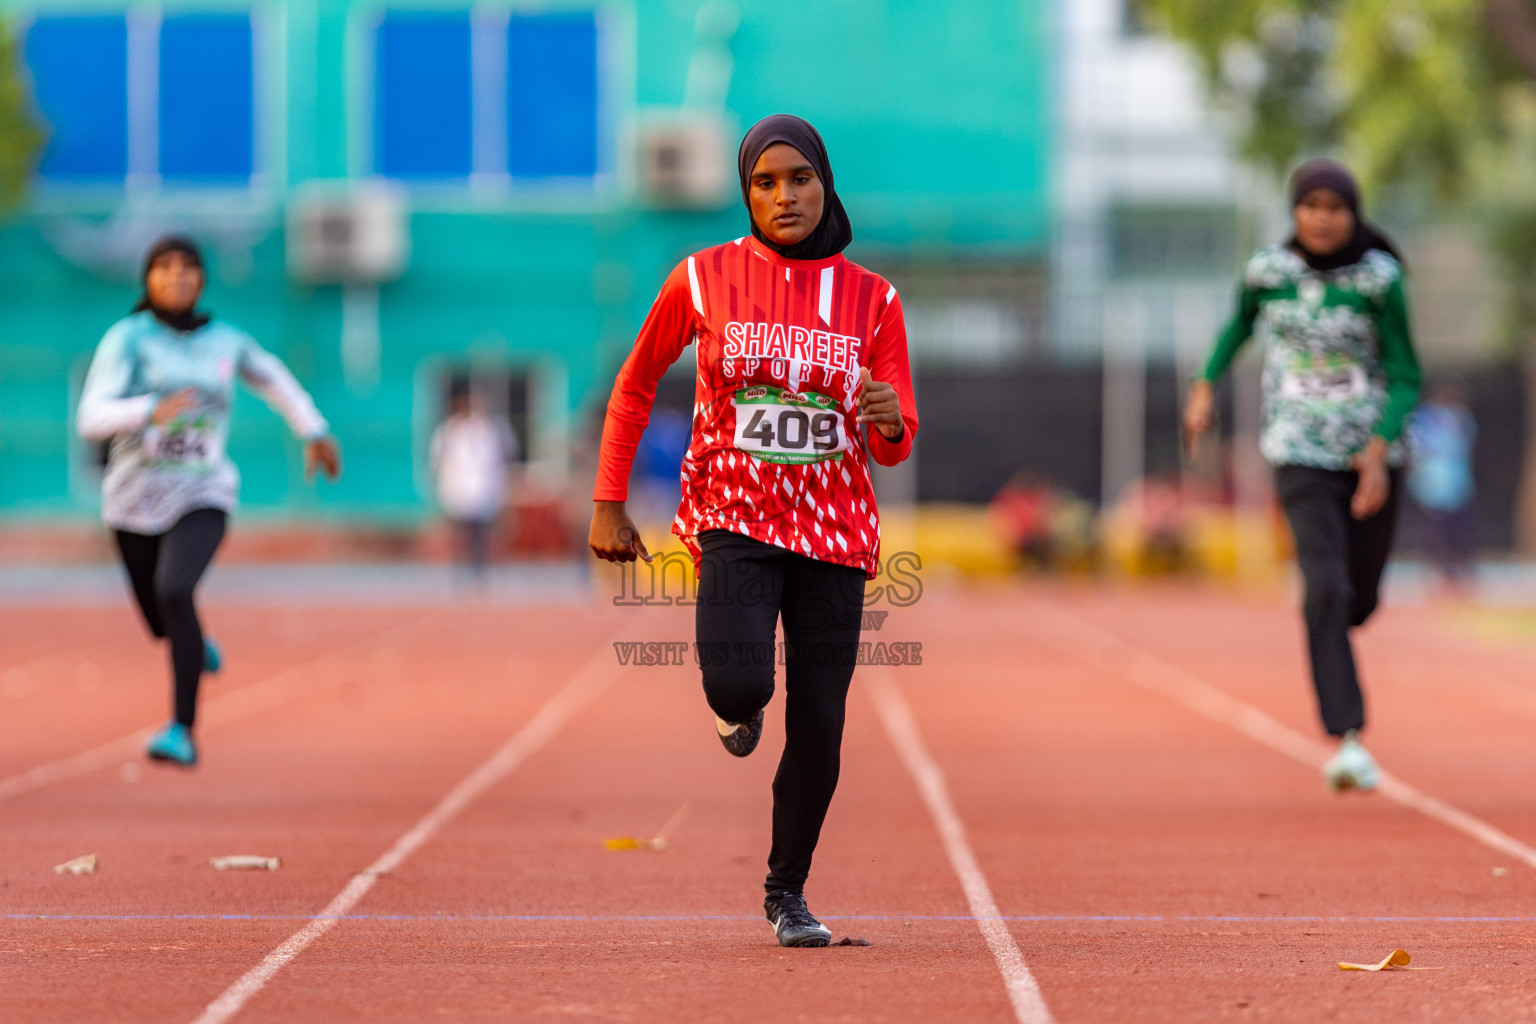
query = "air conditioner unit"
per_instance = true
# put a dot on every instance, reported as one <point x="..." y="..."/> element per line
<point x="352" y="234"/>
<point x="684" y="162"/>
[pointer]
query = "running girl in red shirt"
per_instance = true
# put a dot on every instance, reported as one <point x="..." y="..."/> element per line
<point x="796" y="347"/>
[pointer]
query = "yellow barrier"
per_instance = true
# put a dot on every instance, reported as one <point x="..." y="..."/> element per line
<point x="962" y="539"/>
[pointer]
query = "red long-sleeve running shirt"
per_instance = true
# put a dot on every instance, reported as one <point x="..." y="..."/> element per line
<point x="777" y="453"/>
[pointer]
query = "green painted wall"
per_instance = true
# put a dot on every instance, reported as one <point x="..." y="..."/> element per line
<point x="938" y="122"/>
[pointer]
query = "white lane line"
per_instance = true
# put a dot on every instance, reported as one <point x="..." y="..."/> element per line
<point x="305" y="678"/>
<point x="1147" y="670"/>
<point x="94" y="760"/>
<point x="896" y="715"/>
<point x="577" y="692"/>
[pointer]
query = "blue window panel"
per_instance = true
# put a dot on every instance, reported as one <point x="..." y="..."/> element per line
<point x="422" y="118"/>
<point x="552" y="95"/>
<point x="80" y="77"/>
<point x="207" y="116"/>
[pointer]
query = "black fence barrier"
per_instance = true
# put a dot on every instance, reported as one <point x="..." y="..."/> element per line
<point x="981" y="427"/>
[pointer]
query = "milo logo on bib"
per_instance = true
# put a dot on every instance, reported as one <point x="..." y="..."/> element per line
<point x="779" y="425"/>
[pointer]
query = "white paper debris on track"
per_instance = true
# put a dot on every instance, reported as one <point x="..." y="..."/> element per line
<point x="79" y="866"/>
<point x="246" y="862"/>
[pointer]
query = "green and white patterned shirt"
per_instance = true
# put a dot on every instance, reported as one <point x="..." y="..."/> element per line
<point x="1339" y="365"/>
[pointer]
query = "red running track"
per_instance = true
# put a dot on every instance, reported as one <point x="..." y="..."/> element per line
<point x="1152" y="864"/>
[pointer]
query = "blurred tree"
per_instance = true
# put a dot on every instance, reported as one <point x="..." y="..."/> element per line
<point x="1438" y="95"/>
<point x="1408" y="90"/>
<point x="21" y="137"/>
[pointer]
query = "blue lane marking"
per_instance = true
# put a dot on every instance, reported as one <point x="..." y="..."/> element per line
<point x="1068" y="918"/>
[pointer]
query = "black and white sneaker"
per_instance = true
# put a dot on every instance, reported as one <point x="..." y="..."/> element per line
<point x="792" y="922"/>
<point x="740" y="739"/>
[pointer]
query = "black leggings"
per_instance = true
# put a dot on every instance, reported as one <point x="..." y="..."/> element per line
<point x="164" y="569"/>
<point x="474" y="540"/>
<point x="1342" y="559"/>
<point x="745" y="586"/>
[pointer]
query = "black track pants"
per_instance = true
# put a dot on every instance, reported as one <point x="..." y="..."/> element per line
<point x="745" y="587"/>
<point x="164" y="570"/>
<point x="1342" y="559"/>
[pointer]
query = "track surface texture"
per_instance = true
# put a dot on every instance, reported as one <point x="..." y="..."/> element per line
<point x="1149" y="861"/>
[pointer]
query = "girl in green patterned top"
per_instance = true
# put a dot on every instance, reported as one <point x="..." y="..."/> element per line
<point x="1340" y="379"/>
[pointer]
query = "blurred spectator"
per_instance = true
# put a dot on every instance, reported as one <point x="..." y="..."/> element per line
<point x="1047" y="527"/>
<point x="1151" y="512"/>
<point x="1023" y="512"/>
<point x="471" y="451"/>
<point x="1075" y="530"/>
<point x="1442" y="433"/>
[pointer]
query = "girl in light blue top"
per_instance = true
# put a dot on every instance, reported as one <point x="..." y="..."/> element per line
<point x="160" y="388"/>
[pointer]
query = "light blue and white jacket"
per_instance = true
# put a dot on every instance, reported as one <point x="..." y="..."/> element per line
<point x="156" y="475"/>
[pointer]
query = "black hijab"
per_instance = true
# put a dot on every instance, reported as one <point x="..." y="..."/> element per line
<point x="832" y="235"/>
<point x="1335" y="177"/>
<point x="191" y="319"/>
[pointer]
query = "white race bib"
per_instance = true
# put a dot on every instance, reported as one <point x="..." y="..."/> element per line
<point x="189" y="444"/>
<point x="778" y="425"/>
<point x="1324" y="381"/>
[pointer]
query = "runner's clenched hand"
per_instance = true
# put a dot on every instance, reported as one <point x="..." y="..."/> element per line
<point x="322" y="454"/>
<point x="613" y="536"/>
<point x="1199" y="412"/>
<point x="1375" y="484"/>
<point x="879" y="405"/>
<point x="173" y="405"/>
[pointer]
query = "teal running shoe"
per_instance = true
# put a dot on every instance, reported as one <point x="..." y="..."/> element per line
<point x="172" y="743"/>
<point x="213" y="658"/>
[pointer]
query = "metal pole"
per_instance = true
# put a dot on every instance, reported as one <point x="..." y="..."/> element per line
<point x="1125" y="395"/>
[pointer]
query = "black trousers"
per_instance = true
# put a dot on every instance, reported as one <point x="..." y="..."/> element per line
<point x="745" y="587"/>
<point x="1450" y="535"/>
<point x="1342" y="559"/>
<point x="164" y="570"/>
<point x="474" y="541"/>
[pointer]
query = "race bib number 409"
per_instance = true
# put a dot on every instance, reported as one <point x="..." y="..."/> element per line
<point x="777" y="425"/>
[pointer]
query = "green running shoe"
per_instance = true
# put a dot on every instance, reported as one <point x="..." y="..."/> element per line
<point x="213" y="658"/>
